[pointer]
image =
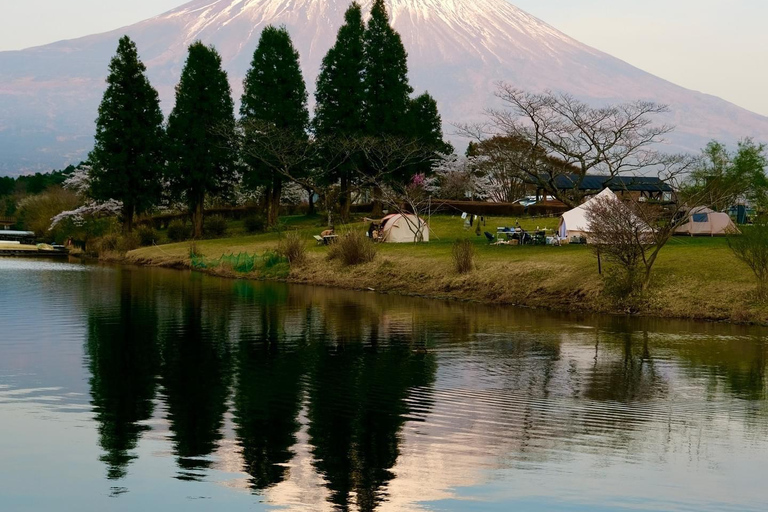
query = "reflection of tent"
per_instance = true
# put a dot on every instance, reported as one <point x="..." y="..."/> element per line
<point x="705" y="221"/>
<point x="399" y="228"/>
<point x="574" y="222"/>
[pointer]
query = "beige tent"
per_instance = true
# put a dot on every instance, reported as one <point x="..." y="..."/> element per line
<point x="705" y="221"/>
<point x="397" y="228"/>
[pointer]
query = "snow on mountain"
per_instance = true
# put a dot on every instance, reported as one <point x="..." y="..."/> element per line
<point x="457" y="50"/>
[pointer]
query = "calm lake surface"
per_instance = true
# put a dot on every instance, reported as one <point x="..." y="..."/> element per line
<point x="147" y="389"/>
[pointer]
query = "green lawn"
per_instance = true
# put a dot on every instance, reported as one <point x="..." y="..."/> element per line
<point x="694" y="277"/>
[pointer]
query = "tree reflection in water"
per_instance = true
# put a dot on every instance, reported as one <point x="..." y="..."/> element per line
<point x="123" y="360"/>
<point x="268" y="393"/>
<point x="196" y="375"/>
<point x="358" y="406"/>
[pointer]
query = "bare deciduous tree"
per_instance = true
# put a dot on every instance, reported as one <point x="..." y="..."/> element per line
<point x="560" y="136"/>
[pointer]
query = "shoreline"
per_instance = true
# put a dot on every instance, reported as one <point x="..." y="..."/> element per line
<point x="466" y="288"/>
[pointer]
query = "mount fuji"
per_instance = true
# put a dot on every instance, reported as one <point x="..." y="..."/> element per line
<point x="457" y="50"/>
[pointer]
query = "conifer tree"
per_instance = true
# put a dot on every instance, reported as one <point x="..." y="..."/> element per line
<point x="127" y="158"/>
<point x="201" y="132"/>
<point x="340" y="92"/>
<point x="386" y="76"/>
<point x="387" y="90"/>
<point x="275" y="98"/>
<point x="426" y="127"/>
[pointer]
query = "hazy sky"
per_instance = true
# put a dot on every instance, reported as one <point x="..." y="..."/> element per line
<point x="714" y="46"/>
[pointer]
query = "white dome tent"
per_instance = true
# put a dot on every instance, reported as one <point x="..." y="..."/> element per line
<point x="574" y="223"/>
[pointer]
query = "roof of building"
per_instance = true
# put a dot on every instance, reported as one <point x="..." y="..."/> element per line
<point x="615" y="183"/>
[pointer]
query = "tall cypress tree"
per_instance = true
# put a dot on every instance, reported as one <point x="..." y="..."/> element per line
<point x="425" y="126"/>
<point x="201" y="132"/>
<point x="127" y="158"/>
<point x="274" y="93"/>
<point x="386" y="76"/>
<point x="340" y="91"/>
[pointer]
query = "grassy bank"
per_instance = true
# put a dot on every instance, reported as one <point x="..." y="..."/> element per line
<point x="694" y="278"/>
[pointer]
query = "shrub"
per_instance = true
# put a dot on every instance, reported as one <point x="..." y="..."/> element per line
<point x="255" y="223"/>
<point x="294" y="248"/>
<point x="353" y="248"/>
<point x="751" y="247"/>
<point x="147" y="235"/>
<point x="128" y="242"/>
<point x="108" y="242"/>
<point x="178" y="231"/>
<point x="215" y="225"/>
<point x="463" y="255"/>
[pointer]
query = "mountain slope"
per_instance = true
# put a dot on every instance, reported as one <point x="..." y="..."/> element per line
<point x="457" y="50"/>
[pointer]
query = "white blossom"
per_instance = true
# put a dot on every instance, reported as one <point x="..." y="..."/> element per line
<point x="91" y="209"/>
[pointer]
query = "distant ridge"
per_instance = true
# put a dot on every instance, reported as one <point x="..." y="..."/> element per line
<point x="457" y="50"/>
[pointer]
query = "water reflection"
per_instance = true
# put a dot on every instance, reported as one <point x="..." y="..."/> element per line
<point x="268" y="394"/>
<point x="123" y="361"/>
<point x="196" y="375"/>
<point x="317" y="399"/>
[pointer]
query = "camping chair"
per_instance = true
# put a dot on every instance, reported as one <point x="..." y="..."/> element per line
<point x="319" y="239"/>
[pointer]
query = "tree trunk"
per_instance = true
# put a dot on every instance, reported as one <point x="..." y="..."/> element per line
<point x="345" y="198"/>
<point x="273" y="214"/>
<point x="197" y="217"/>
<point x="310" y="201"/>
<point x="378" y="206"/>
<point x="128" y="211"/>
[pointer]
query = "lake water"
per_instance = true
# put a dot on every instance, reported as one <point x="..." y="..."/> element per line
<point x="128" y="389"/>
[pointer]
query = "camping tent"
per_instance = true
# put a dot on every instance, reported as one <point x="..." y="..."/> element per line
<point x="400" y="228"/>
<point x="705" y="221"/>
<point x="575" y="223"/>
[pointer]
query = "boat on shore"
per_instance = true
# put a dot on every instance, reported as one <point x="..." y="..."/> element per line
<point x="22" y="243"/>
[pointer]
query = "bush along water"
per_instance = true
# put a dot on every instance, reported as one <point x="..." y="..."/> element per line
<point x="353" y="248"/>
<point x="294" y="248"/>
<point x="269" y="265"/>
<point x="463" y="256"/>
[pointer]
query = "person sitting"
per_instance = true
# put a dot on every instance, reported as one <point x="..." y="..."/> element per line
<point x="328" y="232"/>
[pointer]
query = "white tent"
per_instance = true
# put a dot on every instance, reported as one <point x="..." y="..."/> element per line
<point x="574" y="222"/>
<point x="705" y="221"/>
<point x="398" y="228"/>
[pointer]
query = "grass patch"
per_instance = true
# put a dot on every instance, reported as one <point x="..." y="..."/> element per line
<point x="695" y="277"/>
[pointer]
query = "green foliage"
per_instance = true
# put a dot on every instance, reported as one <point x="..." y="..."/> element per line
<point x="294" y="248"/>
<point x="215" y="226"/>
<point x="201" y="132"/>
<point x="725" y="177"/>
<point x="270" y="264"/>
<point x="273" y="108"/>
<point x="84" y="230"/>
<point x="426" y="126"/>
<point x="147" y="235"/>
<point x="463" y="253"/>
<point x="751" y="247"/>
<point x="387" y="90"/>
<point x="35" y="212"/>
<point x="255" y="223"/>
<point x="340" y="90"/>
<point x="274" y="89"/>
<point x="128" y="153"/>
<point x="31" y="184"/>
<point x="178" y="231"/>
<point x="7" y="186"/>
<point x="352" y="248"/>
<point x="340" y="94"/>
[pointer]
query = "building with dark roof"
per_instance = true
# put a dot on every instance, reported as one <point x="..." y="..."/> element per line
<point x="637" y="187"/>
